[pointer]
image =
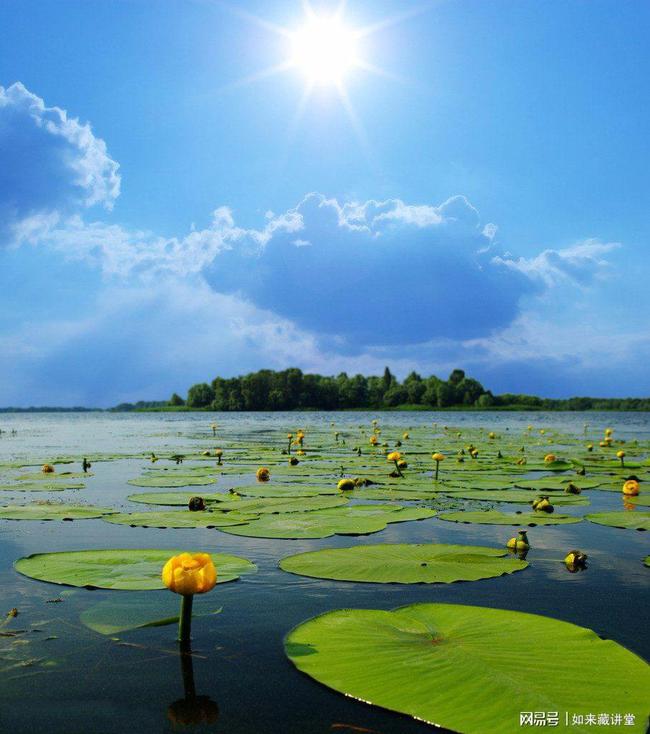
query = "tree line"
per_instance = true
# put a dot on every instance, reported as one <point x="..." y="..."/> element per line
<point x="291" y="389"/>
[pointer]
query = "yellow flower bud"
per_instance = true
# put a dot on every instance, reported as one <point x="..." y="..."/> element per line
<point x="190" y="573"/>
<point x="346" y="485"/>
<point x="549" y="458"/>
<point x="263" y="474"/>
<point x="438" y="457"/>
<point x="631" y="487"/>
<point x="620" y="454"/>
<point x="394" y="456"/>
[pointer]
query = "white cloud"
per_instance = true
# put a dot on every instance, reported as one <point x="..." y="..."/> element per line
<point x="578" y="263"/>
<point x="90" y="169"/>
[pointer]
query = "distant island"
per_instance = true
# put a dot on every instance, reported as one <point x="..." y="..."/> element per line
<point x="291" y="389"/>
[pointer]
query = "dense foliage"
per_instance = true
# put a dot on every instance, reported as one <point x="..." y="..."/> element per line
<point x="291" y="389"/>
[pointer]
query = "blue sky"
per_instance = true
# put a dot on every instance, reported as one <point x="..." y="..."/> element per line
<point x="169" y="211"/>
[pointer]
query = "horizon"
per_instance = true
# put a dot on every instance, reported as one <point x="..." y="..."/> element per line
<point x="190" y="191"/>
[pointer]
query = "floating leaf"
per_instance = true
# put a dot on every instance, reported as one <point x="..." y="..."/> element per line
<point x="493" y="517"/>
<point x="469" y="669"/>
<point x="40" y="486"/>
<point x="137" y="610"/>
<point x="275" y="505"/>
<point x="633" y="520"/>
<point x="179" y="519"/>
<point x="172" y="481"/>
<point x="520" y="496"/>
<point x="404" y="563"/>
<point x="350" y="520"/>
<point x="173" y="499"/>
<point x="132" y="570"/>
<point x="52" y="512"/>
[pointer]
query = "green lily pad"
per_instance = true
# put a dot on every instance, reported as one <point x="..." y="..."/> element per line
<point x="519" y="496"/>
<point x="379" y="493"/>
<point x="551" y="483"/>
<point x="349" y="520"/>
<point x="493" y="517"/>
<point x="52" y="512"/>
<point x="275" y="505"/>
<point x="179" y="519"/>
<point x="39" y="476"/>
<point x="133" y="570"/>
<point x="283" y="490"/>
<point x="172" y="481"/>
<point x="138" y="610"/>
<point x="404" y="563"/>
<point x="469" y="669"/>
<point x="40" y="486"/>
<point x="629" y="520"/>
<point x="173" y="499"/>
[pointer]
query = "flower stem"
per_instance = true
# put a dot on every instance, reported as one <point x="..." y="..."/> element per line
<point x="437" y="468"/>
<point x="185" y="619"/>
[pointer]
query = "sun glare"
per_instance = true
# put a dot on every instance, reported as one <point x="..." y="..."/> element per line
<point x="324" y="50"/>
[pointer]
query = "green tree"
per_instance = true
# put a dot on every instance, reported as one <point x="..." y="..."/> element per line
<point x="200" y="395"/>
<point x="176" y="400"/>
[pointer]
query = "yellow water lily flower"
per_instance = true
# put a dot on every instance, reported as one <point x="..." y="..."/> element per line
<point x="438" y="457"/>
<point x="263" y="474"/>
<point x="190" y="573"/>
<point x="345" y="485"/>
<point x="549" y="458"/>
<point x="519" y="543"/>
<point x="405" y="436"/>
<point x="47" y="469"/>
<point x="373" y="440"/>
<point x="394" y="456"/>
<point x="631" y="487"/>
<point x="608" y="432"/>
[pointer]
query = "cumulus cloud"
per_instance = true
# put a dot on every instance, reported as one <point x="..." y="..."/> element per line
<point x="580" y="263"/>
<point x="48" y="160"/>
<point x="377" y="272"/>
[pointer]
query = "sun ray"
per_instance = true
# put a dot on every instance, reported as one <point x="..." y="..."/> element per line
<point x="396" y="19"/>
<point x="257" y="76"/>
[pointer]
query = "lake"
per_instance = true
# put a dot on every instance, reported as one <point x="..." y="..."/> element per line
<point x="61" y="677"/>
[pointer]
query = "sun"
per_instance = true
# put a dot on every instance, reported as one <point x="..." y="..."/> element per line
<point x="324" y="50"/>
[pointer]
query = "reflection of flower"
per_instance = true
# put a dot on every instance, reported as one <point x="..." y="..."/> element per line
<point x="190" y="573"/>
<point x="193" y="711"/>
<point x="263" y="474"/>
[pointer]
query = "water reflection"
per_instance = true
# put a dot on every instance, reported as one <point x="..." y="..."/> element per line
<point x="191" y="710"/>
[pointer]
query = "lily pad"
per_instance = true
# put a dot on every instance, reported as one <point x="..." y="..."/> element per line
<point x="172" y="481"/>
<point x="404" y="563"/>
<point x="632" y="520"/>
<point x="179" y="519"/>
<point x="283" y="490"/>
<point x="173" y="499"/>
<point x="349" y="520"/>
<point x="52" y="512"/>
<point x="551" y="483"/>
<point x="493" y="517"/>
<point x="519" y="496"/>
<point x="469" y="669"/>
<point x="133" y="570"/>
<point x="275" y="505"/>
<point x="40" y="486"/>
<point x="138" y="610"/>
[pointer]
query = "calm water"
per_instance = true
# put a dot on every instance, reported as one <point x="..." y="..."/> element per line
<point x="80" y="682"/>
